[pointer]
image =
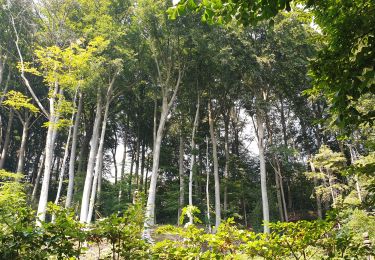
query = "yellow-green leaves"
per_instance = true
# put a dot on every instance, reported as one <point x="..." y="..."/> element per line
<point x="18" y="101"/>
<point x="68" y="67"/>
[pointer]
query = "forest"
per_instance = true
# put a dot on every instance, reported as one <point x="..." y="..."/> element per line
<point x="190" y="129"/>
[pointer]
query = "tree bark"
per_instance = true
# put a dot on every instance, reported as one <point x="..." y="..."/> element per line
<point x="99" y="156"/>
<point x="50" y="140"/>
<point x="37" y="179"/>
<point x="4" y="152"/>
<point x="69" y="195"/>
<point x="226" y="168"/>
<point x="193" y="156"/>
<point x="91" y="161"/>
<point x="263" y="174"/>
<point x="21" y="156"/>
<point x="216" y="167"/>
<point x="181" y="176"/>
<point x="208" y="188"/>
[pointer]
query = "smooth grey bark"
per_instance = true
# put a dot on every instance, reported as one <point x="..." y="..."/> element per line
<point x="142" y="164"/>
<point x="193" y="156"/>
<point x="285" y="211"/>
<point x="137" y="153"/>
<point x="4" y="151"/>
<point x="123" y="163"/>
<point x="63" y="166"/>
<point x="99" y="156"/>
<point x="165" y="109"/>
<point x="50" y="140"/>
<point x="73" y="151"/>
<point x="21" y="152"/>
<point x="226" y="167"/>
<point x="2" y="66"/>
<point x="39" y="174"/>
<point x="91" y="161"/>
<point x="208" y="188"/>
<point x="2" y="97"/>
<point x="263" y="174"/>
<point x="216" y="167"/>
<point x="181" y="201"/>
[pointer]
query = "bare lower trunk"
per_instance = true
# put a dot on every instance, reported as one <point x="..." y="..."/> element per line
<point x="4" y="152"/>
<point x="216" y="168"/>
<point x="142" y="165"/>
<point x="181" y="201"/>
<point x="48" y="164"/>
<point x="63" y="167"/>
<point x="353" y="158"/>
<point x="123" y="163"/>
<point x="69" y="195"/>
<point x="39" y="174"/>
<point x="278" y="194"/>
<point x="208" y="188"/>
<point x="226" y="168"/>
<point x="285" y="211"/>
<point x="150" y="206"/>
<point x="263" y="174"/>
<point x="91" y="162"/>
<point x="99" y="156"/>
<point x="192" y="162"/>
<point x="21" y="157"/>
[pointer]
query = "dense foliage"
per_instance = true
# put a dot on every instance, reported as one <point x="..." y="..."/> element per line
<point x="135" y="130"/>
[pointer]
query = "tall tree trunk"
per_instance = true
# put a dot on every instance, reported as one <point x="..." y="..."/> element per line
<point x="142" y="164"/>
<point x="278" y="194"/>
<point x="208" y="188"/>
<point x="193" y="156"/>
<point x="226" y="168"/>
<point x="21" y="156"/>
<point x="98" y="165"/>
<point x="137" y="152"/>
<point x="63" y="166"/>
<point x="158" y="136"/>
<point x="285" y="211"/>
<point x="99" y="156"/>
<point x="69" y="195"/>
<point x="216" y="167"/>
<point x="263" y="174"/>
<point x="353" y="158"/>
<point x="150" y="208"/>
<point x="123" y="163"/>
<point x="181" y="201"/>
<point x="48" y="164"/>
<point x="317" y="196"/>
<point x="37" y="179"/>
<point x="130" y="181"/>
<point x="4" y="152"/>
<point x="2" y="96"/>
<point x="91" y="161"/>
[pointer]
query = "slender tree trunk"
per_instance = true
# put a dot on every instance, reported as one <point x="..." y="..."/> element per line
<point x="2" y="96"/>
<point x="166" y="106"/>
<point x="48" y="164"/>
<point x="130" y="181"/>
<point x="4" y="152"/>
<point x="181" y="201"/>
<point x="150" y="208"/>
<point x="69" y="195"/>
<point x="216" y="167"/>
<point x="193" y="156"/>
<point x="226" y="168"/>
<point x="137" y="152"/>
<point x="285" y="211"/>
<point x="21" y="156"/>
<point x="263" y="174"/>
<point x="123" y="163"/>
<point x="37" y="180"/>
<point x="208" y="188"/>
<point x="91" y="161"/>
<point x="142" y="164"/>
<point x="278" y="194"/>
<point x="99" y="156"/>
<point x="63" y="166"/>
